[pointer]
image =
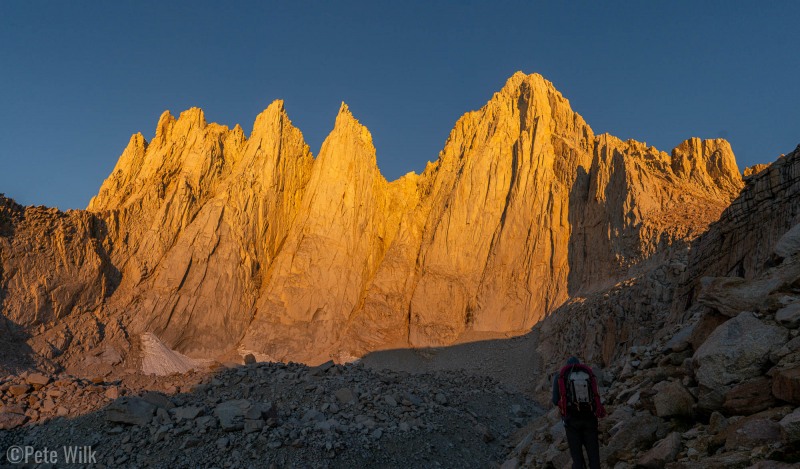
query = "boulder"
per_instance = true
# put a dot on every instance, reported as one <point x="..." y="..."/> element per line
<point x="707" y="324"/>
<point x="231" y="414"/>
<point x="733" y="295"/>
<point x="789" y="243"/>
<point x="790" y="427"/>
<point x="638" y="433"/>
<point x="48" y="405"/>
<point x="162" y="416"/>
<point x="158" y="399"/>
<point x="37" y="380"/>
<point x="786" y="385"/>
<point x="749" y="397"/>
<point x="672" y="400"/>
<point x="711" y="400"/>
<point x="749" y="433"/>
<point x="345" y="395"/>
<point x="322" y="368"/>
<point x="680" y="341"/>
<point x="187" y="412"/>
<point x="313" y="415"/>
<point x="130" y="410"/>
<point x="19" y="389"/>
<point x="717" y="423"/>
<point x="736" y="351"/>
<point x="663" y="452"/>
<point x="11" y="420"/>
<point x="253" y="426"/>
<point x="789" y="316"/>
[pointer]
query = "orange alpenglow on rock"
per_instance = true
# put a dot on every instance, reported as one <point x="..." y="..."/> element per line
<point x="222" y="242"/>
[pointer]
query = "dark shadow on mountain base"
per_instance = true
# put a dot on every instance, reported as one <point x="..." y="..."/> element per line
<point x="512" y="361"/>
<point x="15" y="353"/>
<point x="600" y="230"/>
<point x="113" y="276"/>
<point x="524" y="363"/>
<point x="576" y="250"/>
<point x="451" y="420"/>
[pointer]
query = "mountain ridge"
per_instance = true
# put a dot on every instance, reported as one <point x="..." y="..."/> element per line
<point x="225" y="242"/>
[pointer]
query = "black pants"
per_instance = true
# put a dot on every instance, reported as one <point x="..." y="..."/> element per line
<point x="582" y="432"/>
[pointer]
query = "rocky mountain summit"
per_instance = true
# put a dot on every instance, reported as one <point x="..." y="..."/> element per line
<point x="429" y="312"/>
<point x="221" y="245"/>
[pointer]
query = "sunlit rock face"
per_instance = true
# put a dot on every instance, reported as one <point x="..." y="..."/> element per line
<point x="226" y="242"/>
<point x="196" y="218"/>
<point x="346" y="221"/>
<point x="526" y="207"/>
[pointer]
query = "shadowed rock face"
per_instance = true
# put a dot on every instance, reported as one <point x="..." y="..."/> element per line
<point x="52" y="263"/>
<point x="727" y="359"/>
<point x="733" y="246"/>
<point x="228" y="242"/>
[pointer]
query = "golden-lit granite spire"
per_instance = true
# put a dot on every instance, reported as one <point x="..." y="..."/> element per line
<point x="343" y="228"/>
<point x="708" y="163"/>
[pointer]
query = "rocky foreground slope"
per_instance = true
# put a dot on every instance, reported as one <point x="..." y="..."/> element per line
<point x="717" y="384"/>
<point x="270" y="415"/>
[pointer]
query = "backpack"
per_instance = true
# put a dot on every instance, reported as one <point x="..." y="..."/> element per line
<point x="579" y="391"/>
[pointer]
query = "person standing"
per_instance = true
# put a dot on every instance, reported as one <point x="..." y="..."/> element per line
<point x="576" y="395"/>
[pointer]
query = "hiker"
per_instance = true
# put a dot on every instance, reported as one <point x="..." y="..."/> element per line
<point x="575" y="393"/>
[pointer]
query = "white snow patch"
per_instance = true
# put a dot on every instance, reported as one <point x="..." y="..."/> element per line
<point x="158" y="359"/>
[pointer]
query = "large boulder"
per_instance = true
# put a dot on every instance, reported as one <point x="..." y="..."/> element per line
<point x="681" y="340"/>
<point x="786" y="385"/>
<point x="663" y="452"/>
<point x="707" y="324"/>
<point x="750" y="433"/>
<point x="638" y="433"/>
<point x="789" y="315"/>
<point x="37" y="380"/>
<point x="231" y="414"/>
<point x="130" y="410"/>
<point x="736" y="351"/>
<point x="10" y="420"/>
<point x="749" y="397"/>
<point x="732" y="295"/>
<point x="672" y="400"/>
<point x="789" y="243"/>
<point x="790" y="427"/>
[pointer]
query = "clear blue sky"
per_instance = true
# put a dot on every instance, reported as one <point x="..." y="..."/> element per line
<point x="78" y="78"/>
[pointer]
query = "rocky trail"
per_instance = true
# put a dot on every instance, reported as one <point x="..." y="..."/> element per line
<point x="270" y="415"/>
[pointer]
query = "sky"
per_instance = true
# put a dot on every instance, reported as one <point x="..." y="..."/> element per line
<point x="78" y="78"/>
